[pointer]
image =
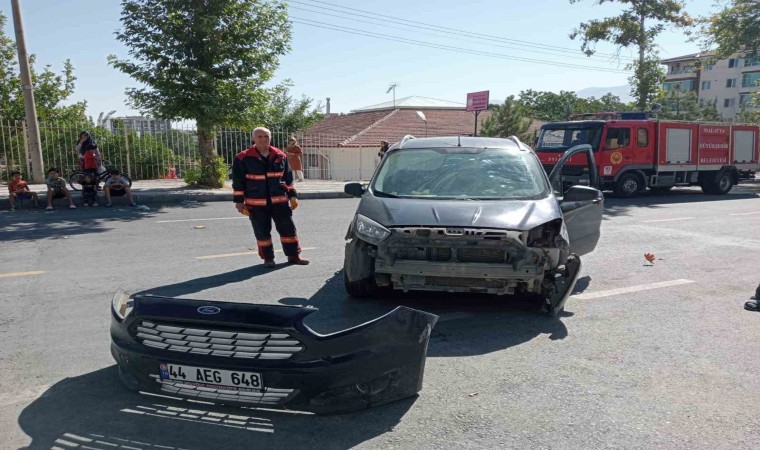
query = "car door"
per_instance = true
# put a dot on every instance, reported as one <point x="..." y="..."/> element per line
<point x="582" y="206"/>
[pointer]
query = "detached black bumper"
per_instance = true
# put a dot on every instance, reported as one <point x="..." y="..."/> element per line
<point x="374" y="363"/>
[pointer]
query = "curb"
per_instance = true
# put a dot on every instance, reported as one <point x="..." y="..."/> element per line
<point x="153" y="197"/>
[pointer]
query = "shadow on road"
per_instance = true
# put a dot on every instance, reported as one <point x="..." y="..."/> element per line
<point x="614" y="207"/>
<point x="37" y="224"/>
<point x="209" y="282"/>
<point x="95" y="411"/>
<point x="470" y="324"/>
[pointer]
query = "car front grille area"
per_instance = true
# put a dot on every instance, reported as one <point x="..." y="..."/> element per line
<point x="265" y="397"/>
<point x="443" y="254"/>
<point x="203" y="341"/>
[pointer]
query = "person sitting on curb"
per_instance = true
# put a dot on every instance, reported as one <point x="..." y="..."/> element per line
<point x="116" y="186"/>
<point x="57" y="189"/>
<point x="19" y="189"/>
<point x="754" y="303"/>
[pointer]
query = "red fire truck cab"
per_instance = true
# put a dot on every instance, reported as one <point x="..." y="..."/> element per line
<point x="633" y="155"/>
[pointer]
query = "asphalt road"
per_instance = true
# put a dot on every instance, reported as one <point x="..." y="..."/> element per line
<point x="645" y="356"/>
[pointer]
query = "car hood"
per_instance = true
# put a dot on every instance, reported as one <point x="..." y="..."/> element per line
<point x="519" y="215"/>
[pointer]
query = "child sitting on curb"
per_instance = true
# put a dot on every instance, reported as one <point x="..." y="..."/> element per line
<point x="19" y="189"/>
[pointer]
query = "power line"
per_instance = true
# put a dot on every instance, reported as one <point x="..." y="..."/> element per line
<point x="447" y="29"/>
<point x="561" y="54"/>
<point x="328" y="26"/>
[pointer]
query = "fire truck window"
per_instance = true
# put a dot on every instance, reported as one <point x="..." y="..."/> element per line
<point x="618" y="137"/>
<point x="642" y="137"/>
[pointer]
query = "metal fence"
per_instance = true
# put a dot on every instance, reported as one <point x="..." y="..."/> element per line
<point x="169" y="153"/>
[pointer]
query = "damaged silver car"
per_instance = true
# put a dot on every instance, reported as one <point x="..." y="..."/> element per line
<point x="470" y="214"/>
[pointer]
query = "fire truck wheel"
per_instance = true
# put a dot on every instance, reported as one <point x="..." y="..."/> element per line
<point x="723" y="183"/>
<point x="628" y="185"/>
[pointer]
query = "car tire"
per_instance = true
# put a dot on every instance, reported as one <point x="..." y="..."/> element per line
<point x="360" y="288"/>
<point x="628" y="185"/>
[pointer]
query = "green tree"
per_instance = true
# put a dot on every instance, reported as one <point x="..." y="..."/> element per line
<point x="680" y="105"/>
<point x="508" y="119"/>
<point x="646" y="80"/>
<point x="550" y="106"/>
<point x="709" y="112"/>
<point x="637" y="26"/>
<point x="203" y="60"/>
<point x="290" y="114"/>
<point x="51" y="90"/>
<point x="736" y="27"/>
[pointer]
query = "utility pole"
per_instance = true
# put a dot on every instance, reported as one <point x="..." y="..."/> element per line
<point x="33" y="128"/>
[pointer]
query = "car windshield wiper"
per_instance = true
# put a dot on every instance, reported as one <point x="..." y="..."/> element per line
<point x="384" y="194"/>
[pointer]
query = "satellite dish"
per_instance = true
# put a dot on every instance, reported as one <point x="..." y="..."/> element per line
<point x="421" y="116"/>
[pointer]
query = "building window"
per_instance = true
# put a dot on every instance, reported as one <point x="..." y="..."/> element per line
<point x="733" y="63"/>
<point x="706" y="85"/>
<point x="684" y="85"/>
<point x="744" y="100"/>
<point x="752" y="61"/>
<point x="642" y="137"/>
<point x="709" y="66"/>
<point x="751" y="80"/>
<point x="729" y="103"/>
<point x="731" y="82"/>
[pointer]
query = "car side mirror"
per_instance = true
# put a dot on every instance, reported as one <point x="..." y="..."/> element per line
<point x="581" y="194"/>
<point x="354" y="189"/>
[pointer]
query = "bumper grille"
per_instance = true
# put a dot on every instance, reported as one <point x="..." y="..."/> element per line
<point x="268" y="396"/>
<point x="217" y="342"/>
<point x="464" y="282"/>
<point x="481" y="255"/>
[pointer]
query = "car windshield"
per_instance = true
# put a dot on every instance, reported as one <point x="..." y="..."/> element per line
<point x="560" y="137"/>
<point x="461" y="173"/>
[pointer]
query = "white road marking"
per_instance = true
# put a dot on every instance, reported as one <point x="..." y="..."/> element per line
<point x="200" y="220"/>
<point x="745" y="214"/>
<point x="248" y="253"/>
<point x="21" y="274"/>
<point x="630" y="289"/>
<point x="667" y="220"/>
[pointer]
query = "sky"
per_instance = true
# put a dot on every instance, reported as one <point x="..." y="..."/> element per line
<point x="353" y="50"/>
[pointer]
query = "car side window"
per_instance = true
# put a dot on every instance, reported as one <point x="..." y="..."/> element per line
<point x="642" y="137"/>
<point x="618" y="137"/>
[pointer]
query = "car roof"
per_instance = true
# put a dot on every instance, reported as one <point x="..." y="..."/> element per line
<point x="410" y="142"/>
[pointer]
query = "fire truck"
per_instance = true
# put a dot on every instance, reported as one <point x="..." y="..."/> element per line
<point x="633" y="152"/>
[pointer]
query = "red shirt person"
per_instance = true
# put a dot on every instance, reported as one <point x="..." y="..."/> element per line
<point x="19" y="189"/>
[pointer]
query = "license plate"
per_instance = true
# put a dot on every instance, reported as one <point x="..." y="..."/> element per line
<point x="208" y="377"/>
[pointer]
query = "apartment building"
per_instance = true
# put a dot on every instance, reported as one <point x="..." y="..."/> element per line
<point x="143" y="124"/>
<point x="729" y="81"/>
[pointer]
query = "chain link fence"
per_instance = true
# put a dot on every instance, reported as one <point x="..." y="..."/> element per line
<point x="169" y="152"/>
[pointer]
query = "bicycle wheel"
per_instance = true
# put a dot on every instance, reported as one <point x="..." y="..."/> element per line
<point x="75" y="180"/>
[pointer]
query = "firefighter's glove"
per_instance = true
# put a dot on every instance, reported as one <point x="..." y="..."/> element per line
<point x="293" y="203"/>
<point x="242" y="209"/>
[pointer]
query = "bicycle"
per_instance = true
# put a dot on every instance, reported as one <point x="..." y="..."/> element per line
<point x="76" y="177"/>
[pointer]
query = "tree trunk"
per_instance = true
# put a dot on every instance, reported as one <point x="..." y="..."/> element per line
<point x="643" y="84"/>
<point x="210" y="177"/>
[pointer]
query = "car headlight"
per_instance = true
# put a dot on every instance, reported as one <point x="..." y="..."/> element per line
<point x="370" y="230"/>
<point x="121" y="304"/>
<point x="543" y="235"/>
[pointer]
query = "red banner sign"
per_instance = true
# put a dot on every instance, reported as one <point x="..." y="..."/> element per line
<point x="477" y="101"/>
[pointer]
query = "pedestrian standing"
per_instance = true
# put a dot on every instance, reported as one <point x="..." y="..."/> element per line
<point x="262" y="183"/>
<point x="295" y="152"/>
<point x="383" y="149"/>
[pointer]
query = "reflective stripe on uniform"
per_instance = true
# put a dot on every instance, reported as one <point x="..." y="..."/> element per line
<point x="256" y="201"/>
<point x="274" y="174"/>
<point x="238" y="192"/>
<point x="289" y="240"/>
<point x="288" y="186"/>
<point x="267" y="243"/>
<point x="280" y="199"/>
<point x="251" y="176"/>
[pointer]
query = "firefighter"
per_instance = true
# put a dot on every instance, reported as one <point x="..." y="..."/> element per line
<point x="262" y="182"/>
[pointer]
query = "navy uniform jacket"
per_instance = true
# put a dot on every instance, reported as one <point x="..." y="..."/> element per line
<point x="259" y="181"/>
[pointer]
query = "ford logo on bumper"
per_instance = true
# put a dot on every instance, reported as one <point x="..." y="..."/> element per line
<point x="209" y="310"/>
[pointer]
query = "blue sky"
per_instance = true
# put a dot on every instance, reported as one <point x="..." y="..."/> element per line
<point x="355" y="70"/>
